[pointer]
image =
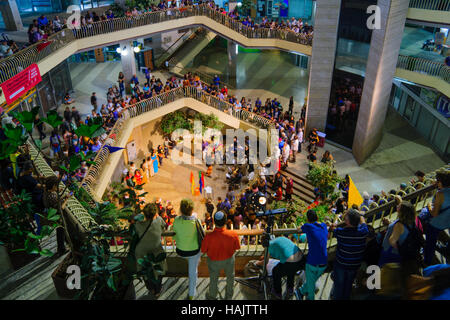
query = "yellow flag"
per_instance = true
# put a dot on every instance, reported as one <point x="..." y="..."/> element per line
<point x="354" y="197"/>
<point x="192" y="183"/>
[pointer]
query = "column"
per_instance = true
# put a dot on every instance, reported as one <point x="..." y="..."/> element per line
<point x="380" y="70"/>
<point x="232" y="63"/>
<point x="128" y="62"/>
<point x="322" y="62"/>
<point x="11" y="15"/>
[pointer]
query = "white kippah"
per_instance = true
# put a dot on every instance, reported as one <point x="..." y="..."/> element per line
<point x="218" y="215"/>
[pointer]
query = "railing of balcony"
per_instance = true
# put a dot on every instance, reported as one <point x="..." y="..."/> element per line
<point x="438" y="5"/>
<point x="73" y="207"/>
<point x="102" y="155"/>
<point x="12" y="65"/>
<point x="434" y="69"/>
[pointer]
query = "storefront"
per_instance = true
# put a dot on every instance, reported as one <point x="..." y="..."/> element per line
<point x="48" y="94"/>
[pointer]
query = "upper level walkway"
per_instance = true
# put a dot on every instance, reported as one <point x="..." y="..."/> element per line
<point x="99" y="34"/>
<point x="435" y="11"/>
<point x="424" y="72"/>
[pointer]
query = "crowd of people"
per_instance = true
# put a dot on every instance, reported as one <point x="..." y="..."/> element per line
<point x="358" y="246"/>
<point x="43" y="27"/>
<point x="344" y="109"/>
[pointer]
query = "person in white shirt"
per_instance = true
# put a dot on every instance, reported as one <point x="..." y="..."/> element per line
<point x="286" y="152"/>
<point x="300" y="139"/>
<point x="294" y="147"/>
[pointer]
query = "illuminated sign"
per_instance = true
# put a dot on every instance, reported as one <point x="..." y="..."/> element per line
<point x="21" y="83"/>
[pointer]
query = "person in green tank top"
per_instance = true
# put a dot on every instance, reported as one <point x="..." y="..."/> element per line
<point x="186" y="238"/>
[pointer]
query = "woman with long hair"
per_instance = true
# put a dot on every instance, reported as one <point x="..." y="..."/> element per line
<point x="397" y="233"/>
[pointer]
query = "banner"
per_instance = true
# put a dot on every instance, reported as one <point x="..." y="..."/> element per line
<point x="354" y="197"/>
<point x="112" y="149"/>
<point x="201" y="180"/>
<point x="19" y="85"/>
<point x="191" y="180"/>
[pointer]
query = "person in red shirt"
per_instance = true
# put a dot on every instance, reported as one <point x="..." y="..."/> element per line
<point x="220" y="247"/>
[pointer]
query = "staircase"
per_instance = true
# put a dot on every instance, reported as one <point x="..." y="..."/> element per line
<point x="302" y="188"/>
<point x="189" y="50"/>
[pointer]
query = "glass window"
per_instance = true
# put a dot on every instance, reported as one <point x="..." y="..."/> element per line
<point x="442" y="137"/>
<point x="425" y="123"/>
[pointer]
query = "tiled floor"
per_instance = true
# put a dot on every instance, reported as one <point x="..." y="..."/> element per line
<point x="269" y="73"/>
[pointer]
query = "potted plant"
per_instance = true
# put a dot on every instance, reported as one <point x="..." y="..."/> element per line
<point x="104" y="275"/>
<point x="18" y="234"/>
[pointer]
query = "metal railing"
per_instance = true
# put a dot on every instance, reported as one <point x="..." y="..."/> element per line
<point x="205" y="77"/>
<point x="434" y="69"/>
<point x="73" y="207"/>
<point x="438" y="5"/>
<point x="173" y="47"/>
<point x="102" y="155"/>
<point x="12" y="65"/>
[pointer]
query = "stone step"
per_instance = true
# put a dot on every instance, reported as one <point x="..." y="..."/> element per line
<point x="300" y="192"/>
<point x="300" y="179"/>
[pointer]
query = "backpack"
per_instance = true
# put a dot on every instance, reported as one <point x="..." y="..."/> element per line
<point x="410" y="248"/>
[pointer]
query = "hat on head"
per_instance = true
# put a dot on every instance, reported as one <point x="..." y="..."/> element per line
<point x="218" y="215"/>
<point x="366" y="195"/>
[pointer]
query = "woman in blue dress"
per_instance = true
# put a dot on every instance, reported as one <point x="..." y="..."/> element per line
<point x="155" y="162"/>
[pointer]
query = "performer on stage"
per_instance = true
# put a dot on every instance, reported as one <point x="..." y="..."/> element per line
<point x="155" y="162"/>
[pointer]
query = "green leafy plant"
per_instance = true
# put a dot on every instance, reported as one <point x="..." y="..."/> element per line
<point x="294" y="208"/>
<point x="323" y="177"/>
<point x="323" y="214"/>
<point x="173" y="121"/>
<point x="208" y="121"/>
<point x="152" y="268"/>
<point x="105" y="213"/>
<point x="246" y="6"/>
<point x="117" y="10"/>
<point x="16" y="229"/>
<point x="102" y="274"/>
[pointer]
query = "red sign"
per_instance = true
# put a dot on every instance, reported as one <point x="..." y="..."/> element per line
<point x="18" y="85"/>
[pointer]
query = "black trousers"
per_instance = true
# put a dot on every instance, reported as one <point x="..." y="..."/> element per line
<point x="287" y="269"/>
<point x="60" y="239"/>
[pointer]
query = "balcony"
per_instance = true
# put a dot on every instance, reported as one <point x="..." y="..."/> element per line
<point x="436" y="11"/>
<point x="99" y="34"/>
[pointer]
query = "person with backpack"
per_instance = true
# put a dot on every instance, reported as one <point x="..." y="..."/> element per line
<point x="402" y="241"/>
<point x="149" y="242"/>
<point x="400" y="255"/>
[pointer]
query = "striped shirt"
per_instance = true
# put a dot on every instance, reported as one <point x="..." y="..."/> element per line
<point x="351" y="244"/>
